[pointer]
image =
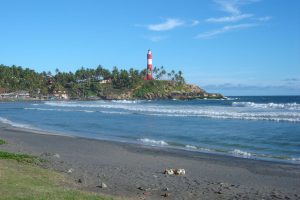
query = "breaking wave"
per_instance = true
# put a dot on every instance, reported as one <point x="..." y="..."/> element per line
<point x="190" y="147"/>
<point x="240" y="153"/>
<point x="153" y="142"/>
<point x="294" y="159"/>
<point x="61" y="110"/>
<point x="115" y="112"/>
<point x="238" y="111"/>
<point x="286" y="106"/>
<point x="14" y="124"/>
<point x="127" y="101"/>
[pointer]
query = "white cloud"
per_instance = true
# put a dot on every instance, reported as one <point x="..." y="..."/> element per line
<point x="167" y="25"/>
<point x="233" y="18"/>
<point x="225" y="29"/>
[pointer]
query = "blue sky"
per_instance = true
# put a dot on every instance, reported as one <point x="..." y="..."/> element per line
<point x="236" y="47"/>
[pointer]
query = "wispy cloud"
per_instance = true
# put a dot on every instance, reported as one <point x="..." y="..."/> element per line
<point x="264" y="19"/>
<point x="225" y="29"/>
<point x="169" y="24"/>
<point x="233" y="6"/>
<point x="195" y="22"/>
<point x="233" y="18"/>
<point x="229" y="6"/>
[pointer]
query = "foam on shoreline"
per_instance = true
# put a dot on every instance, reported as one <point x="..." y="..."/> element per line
<point x="14" y="124"/>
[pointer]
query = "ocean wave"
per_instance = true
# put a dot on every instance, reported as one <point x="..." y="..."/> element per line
<point x="14" y="124"/>
<point x="217" y="112"/>
<point x="190" y="147"/>
<point x="126" y="101"/>
<point x="278" y="117"/>
<point x="115" y="112"/>
<point x="231" y="98"/>
<point x="86" y="111"/>
<point x="287" y="106"/>
<point x="240" y="153"/>
<point x="153" y="142"/>
<point x="60" y="110"/>
<point x="294" y="159"/>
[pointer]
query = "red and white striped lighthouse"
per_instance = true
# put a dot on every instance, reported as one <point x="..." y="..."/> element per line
<point x="149" y="66"/>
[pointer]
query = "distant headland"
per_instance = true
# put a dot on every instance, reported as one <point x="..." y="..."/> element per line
<point x="99" y="83"/>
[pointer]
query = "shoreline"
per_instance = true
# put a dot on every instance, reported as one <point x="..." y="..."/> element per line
<point x="178" y="149"/>
<point x="135" y="171"/>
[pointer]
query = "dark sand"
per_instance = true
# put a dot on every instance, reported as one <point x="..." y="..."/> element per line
<point x="135" y="171"/>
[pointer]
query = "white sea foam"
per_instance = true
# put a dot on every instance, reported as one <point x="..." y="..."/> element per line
<point x="205" y="149"/>
<point x="126" y="101"/>
<point x="294" y="159"/>
<point x="60" y="110"/>
<point x="287" y="106"/>
<point x="190" y="146"/>
<point x="240" y="153"/>
<point x="115" y="112"/>
<point x="153" y="142"/>
<point x="14" y="124"/>
<point x="238" y="111"/>
<point x="231" y="98"/>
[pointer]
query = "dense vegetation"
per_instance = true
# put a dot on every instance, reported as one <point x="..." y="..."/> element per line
<point x="19" y="157"/>
<point x="84" y="83"/>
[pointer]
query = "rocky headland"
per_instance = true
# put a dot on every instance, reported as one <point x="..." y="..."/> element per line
<point x="160" y="90"/>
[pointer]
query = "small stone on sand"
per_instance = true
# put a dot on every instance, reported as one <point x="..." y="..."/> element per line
<point x="70" y="170"/>
<point x="103" y="185"/>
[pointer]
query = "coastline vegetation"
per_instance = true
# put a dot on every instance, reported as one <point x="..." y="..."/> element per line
<point x="85" y="82"/>
<point x="19" y="157"/>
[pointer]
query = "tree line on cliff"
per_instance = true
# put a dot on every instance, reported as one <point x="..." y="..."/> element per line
<point x="84" y="82"/>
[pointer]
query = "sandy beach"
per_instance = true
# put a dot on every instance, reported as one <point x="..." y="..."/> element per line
<point x="134" y="171"/>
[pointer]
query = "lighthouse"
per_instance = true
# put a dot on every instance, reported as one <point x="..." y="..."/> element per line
<point x="149" y="66"/>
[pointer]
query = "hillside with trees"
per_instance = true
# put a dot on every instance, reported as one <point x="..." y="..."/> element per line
<point x="99" y="83"/>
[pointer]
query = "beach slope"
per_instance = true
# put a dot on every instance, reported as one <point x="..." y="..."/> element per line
<point x="136" y="172"/>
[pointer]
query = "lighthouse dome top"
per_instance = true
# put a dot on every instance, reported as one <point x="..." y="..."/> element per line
<point x="149" y="51"/>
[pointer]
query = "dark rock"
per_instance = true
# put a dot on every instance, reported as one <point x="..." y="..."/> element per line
<point x="166" y="194"/>
<point x="141" y="188"/>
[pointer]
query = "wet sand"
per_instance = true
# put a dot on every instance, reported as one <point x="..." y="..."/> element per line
<point x="135" y="171"/>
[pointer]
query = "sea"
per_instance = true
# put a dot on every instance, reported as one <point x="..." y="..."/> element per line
<point x="250" y="127"/>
